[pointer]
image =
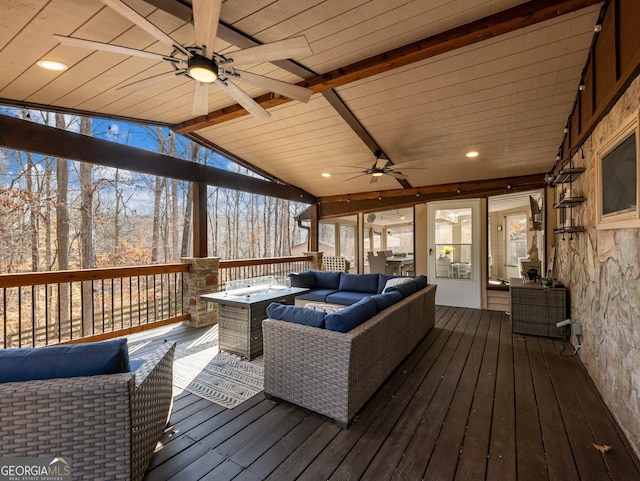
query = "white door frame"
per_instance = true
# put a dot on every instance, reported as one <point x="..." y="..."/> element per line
<point x="453" y="291"/>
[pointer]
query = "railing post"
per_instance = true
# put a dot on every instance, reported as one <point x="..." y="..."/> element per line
<point x="202" y="278"/>
<point x="315" y="261"/>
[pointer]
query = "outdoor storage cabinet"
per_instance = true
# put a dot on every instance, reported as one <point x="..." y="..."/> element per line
<point x="536" y="309"/>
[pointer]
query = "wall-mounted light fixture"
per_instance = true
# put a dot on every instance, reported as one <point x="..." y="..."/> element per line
<point x="549" y="178"/>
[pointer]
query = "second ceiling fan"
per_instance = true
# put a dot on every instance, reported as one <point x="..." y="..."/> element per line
<point x="382" y="166"/>
<point x="202" y="64"/>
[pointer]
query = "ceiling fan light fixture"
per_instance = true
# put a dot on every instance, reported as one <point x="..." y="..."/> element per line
<point x="377" y="174"/>
<point x="202" y="69"/>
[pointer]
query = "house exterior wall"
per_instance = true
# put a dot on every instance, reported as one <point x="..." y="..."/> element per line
<point x="601" y="269"/>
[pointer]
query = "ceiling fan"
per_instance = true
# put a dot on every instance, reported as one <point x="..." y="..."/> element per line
<point x="202" y="64"/>
<point x="382" y="166"/>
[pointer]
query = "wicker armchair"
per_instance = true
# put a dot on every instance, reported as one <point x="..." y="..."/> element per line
<point x="106" y="427"/>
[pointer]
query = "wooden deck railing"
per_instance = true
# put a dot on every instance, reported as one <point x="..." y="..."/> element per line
<point x="43" y="308"/>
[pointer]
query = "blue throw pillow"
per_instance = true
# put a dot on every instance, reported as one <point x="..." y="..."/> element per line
<point x="327" y="279"/>
<point x="405" y="289"/>
<point x="386" y="300"/>
<point x="303" y="279"/>
<point x="359" y="283"/>
<point x="421" y="281"/>
<point x="352" y="316"/>
<point x="69" y="360"/>
<point x="296" y="314"/>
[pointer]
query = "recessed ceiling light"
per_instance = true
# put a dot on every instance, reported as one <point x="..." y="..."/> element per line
<point x="471" y="154"/>
<point x="52" y="65"/>
<point x="326" y="174"/>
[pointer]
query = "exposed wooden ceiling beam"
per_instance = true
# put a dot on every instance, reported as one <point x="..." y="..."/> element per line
<point x="32" y="137"/>
<point x="348" y="204"/>
<point x="515" y="18"/>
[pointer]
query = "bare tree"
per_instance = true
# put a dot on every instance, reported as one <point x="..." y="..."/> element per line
<point x="87" y="251"/>
<point x="195" y="151"/>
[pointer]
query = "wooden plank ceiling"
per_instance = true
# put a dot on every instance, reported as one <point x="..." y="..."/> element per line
<point x="505" y="95"/>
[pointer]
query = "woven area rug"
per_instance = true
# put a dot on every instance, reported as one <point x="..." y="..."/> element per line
<point x="222" y="378"/>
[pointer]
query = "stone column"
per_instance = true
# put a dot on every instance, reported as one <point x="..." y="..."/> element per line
<point x="316" y="260"/>
<point x="202" y="278"/>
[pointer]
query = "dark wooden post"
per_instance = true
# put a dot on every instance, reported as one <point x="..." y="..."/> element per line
<point x="200" y="219"/>
<point x="313" y="224"/>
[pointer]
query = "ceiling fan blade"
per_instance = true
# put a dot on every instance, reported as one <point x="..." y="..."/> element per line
<point x="380" y="163"/>
<point x="240" y="96"/>
<point x="280" y="50"/>
<point x="403" y="165"/>
<point x="200" y="98"/>
<point x="359" y="167"/>
<point x="147" y="82"/>
<point x="206" y="15"/>
<point x="351" y="178"/>
<point x="396" y="175"/>
<point x="107" y="47"/>
<point x="134" y="17"/>
<point x="374" y="179"/>
<point x="283" y="88"/>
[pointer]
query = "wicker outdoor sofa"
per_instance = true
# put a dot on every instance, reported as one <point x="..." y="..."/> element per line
<point x="105" y="427"/>
<point x="335" y="373"/>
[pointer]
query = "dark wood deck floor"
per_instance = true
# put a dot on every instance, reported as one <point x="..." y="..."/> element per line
<point x="472" y="402"/>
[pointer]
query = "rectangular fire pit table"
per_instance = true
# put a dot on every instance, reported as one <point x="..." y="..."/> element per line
<point x="242" y="310"/>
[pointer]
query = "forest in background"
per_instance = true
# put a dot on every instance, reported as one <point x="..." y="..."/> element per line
<point x="59" y="214"/>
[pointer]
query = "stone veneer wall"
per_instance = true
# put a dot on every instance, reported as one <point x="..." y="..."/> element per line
<point x="601" y="269"/>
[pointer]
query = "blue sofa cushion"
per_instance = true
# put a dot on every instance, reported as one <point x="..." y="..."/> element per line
<point x="303" y="279"/>
<point x="327" y="279"/>
<point x="405" y="289"/>
<point x="421" y="281"/>
<point x="386" y="300"/>
<point x="316" y="295"/>
<point x="296" y="314"/>
<point x="346" y="298"/>
<point x="352" y="316"/>
<point x="359" y="283"/>
<point x="69" y="360"/>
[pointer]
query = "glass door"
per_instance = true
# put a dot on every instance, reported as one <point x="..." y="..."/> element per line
<point x="454" y="252"/>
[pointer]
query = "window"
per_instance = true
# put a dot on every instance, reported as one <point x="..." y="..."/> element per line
<point x="453" y="242"/>
<point x="618" y="180"/>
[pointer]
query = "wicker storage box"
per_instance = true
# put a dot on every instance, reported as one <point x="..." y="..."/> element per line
<point x="536" y="309"/>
